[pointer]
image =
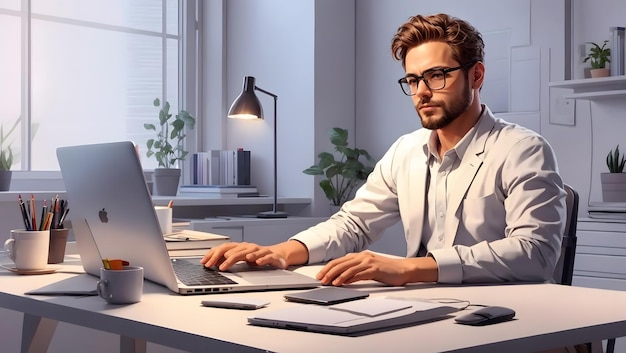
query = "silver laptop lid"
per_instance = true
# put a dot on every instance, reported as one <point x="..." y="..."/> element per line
<point x="110" y="199"/>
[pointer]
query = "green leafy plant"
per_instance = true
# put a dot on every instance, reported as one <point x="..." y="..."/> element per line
<point x="6" y="153"/>
<point x="168" y="147"/>
<point x="342" y="175"/>
<point x="615" y="161"/>
<point x="598" y="55"/>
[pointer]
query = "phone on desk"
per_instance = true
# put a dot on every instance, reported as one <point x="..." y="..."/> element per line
<point x="326" y="295"/>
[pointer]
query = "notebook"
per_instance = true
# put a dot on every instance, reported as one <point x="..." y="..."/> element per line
<point x="113" y="217"/>
<point x="359" y="316"/>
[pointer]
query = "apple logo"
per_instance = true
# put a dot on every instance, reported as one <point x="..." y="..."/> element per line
<point x="103" y="215"/>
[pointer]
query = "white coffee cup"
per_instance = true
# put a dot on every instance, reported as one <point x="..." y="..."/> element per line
<point x="28" y="249"/>
<point x="123" y="286"/>
<point x="164" y="214"/>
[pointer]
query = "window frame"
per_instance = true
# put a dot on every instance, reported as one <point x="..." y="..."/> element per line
<point x="189" y="13"/>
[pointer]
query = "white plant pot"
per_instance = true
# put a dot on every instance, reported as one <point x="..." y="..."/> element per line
<point x="165" y="181"/>
<point x="613" y="187"/>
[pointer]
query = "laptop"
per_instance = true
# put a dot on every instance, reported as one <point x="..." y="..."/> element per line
<point x="113" y="217"/>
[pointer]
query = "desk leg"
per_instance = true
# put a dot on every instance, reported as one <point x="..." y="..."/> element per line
<point x="37" y="333"/>
<point x="132" y="345"/>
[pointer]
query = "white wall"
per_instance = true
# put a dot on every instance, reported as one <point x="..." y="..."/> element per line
<point x="599" y="126"/>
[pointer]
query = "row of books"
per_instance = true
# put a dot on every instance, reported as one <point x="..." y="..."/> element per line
<point x="221" y="167"/>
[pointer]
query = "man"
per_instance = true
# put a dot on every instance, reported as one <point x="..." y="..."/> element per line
<point x="480" y="199"/>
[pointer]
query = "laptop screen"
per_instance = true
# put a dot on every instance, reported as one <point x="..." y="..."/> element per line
<point x="106" y="187"/>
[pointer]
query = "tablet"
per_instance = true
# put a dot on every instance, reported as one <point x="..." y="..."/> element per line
<point x="326" y="295"/>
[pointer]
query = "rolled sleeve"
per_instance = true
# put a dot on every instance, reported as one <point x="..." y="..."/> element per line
<point x="448" y="265"/>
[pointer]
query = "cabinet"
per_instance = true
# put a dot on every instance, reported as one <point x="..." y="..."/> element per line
<point x="601" y="258"/>
<point x="601" y="254"/>
<point x="272" y="231"/>
<point x="594" y="88"/>
<point x="256" y="230"/>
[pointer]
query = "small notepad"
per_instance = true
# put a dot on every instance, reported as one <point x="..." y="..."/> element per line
<point x="372" y="307"/>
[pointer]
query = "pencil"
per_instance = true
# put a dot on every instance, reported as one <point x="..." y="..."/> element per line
<point x="170" y="204"/>
<point x="33" y="214"/>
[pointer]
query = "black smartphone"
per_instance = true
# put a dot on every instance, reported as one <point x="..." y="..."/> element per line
<point x="326" y="295"/>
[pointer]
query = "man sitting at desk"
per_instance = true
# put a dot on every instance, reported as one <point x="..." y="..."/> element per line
<point x="480" y="199"/>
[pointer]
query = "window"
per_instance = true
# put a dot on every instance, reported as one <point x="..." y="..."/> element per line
<point x="77" y="72"/>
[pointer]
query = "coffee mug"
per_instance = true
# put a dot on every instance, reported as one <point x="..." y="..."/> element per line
<point x="28" y="249"/>
<point x="164" y="214"/>
<point x="123" y="286"/>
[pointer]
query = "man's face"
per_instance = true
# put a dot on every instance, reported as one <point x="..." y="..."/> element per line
<point x="438" y="108"/>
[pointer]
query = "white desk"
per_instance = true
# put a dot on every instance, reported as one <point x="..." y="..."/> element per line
<point x="547" y="316"/>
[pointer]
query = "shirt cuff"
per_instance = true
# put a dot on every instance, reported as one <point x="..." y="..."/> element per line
<point x="316" y="252"/>
<point x="449" y="265"/>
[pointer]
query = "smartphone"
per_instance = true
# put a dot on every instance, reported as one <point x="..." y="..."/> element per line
<point x="326" y="295"/>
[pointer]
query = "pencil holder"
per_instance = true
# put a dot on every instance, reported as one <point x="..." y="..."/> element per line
<point x="58" y="240"/>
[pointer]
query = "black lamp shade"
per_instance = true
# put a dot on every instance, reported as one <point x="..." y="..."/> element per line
<point x="247" y="104"/>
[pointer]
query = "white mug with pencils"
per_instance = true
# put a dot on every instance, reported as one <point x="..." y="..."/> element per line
<point x="43" y="239"/>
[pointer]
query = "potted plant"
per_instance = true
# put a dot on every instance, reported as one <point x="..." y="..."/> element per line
<point x="614" y="182"/>
<point x="598" y="56"/>
<point x="6" y="155"/>
<point x="344" y="174"/>
<point x="168" y="147"/>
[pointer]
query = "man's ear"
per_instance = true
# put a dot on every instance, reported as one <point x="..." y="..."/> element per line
<point x="477" y="74"/>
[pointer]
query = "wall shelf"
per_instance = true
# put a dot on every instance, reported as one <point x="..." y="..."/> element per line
<point x="594" y="88"/>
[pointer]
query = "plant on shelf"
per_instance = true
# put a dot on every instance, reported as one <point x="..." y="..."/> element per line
<point x="615" y="161"/>
<point x="6" y="152"/>
<point x="168" y="147"/>
<point x="598" y="56"/>
<point x="342" y="175"/>
<point x="613" y="183"/>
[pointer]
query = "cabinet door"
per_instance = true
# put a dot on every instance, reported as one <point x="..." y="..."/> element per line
<point x="269" y="233"/>
<point x="235" y="233"/>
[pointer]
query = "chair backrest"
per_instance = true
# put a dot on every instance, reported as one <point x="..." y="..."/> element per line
<point x="564" y="270"/>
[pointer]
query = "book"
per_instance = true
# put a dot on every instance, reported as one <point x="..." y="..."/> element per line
<point x="617" y="50"/>
<point x="235" y="167"/>
<point x="187" y="252"/>
<point x="193" y="239"/>
<point x="218" y="189"/>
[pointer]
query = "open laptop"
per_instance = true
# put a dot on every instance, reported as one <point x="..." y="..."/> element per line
<point x="113" y="217"/>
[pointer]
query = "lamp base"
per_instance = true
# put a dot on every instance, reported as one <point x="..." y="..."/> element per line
<point x="271" y="214"/>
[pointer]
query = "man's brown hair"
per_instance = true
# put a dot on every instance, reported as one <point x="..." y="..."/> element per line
<point x="465" y="40"/>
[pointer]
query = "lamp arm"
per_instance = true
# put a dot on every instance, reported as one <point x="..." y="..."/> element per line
<point x="275" y="204"/>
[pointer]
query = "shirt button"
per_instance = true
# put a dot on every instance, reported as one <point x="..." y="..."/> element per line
<point x="441" y="238"/>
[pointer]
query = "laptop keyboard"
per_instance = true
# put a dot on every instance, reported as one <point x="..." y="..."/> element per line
<point x="193" y="274"/>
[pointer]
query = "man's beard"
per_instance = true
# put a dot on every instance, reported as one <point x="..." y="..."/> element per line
<point x="450" y="114"/>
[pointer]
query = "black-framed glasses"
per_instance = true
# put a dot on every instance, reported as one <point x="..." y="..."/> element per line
<point x="435" y="79"/>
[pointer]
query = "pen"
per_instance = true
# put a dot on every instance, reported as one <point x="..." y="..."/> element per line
<point x="63" y="215"/>
<point x="24" y="213"/>
<point x="43" y="216"/>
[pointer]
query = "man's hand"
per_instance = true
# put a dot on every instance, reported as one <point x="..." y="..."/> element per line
<point x="370" y="266"/>
<point x="228" y="254"/>
<point x="280" y="255"/>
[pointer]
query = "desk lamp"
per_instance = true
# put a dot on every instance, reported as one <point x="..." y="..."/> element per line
<point x="247" y="106"/>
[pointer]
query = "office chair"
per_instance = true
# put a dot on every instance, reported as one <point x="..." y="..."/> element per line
<point x="564" y="270"/>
